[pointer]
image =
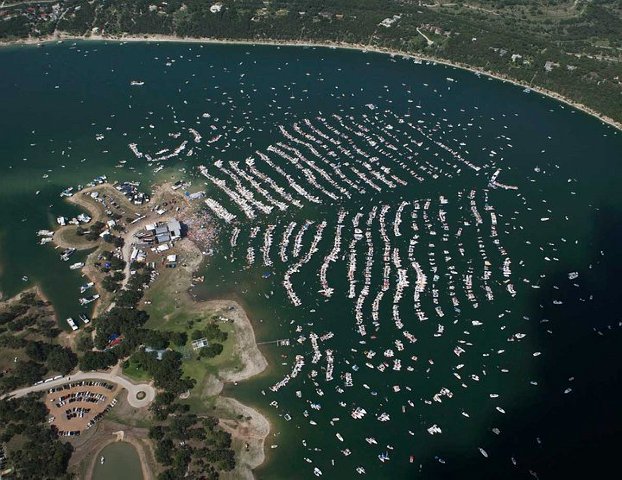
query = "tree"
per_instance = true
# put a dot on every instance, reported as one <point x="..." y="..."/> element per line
<point x="212" y="350"/>
<point x="29" y="372"/>
<point x="62" y="360"/>
<point x="178" y="338"/>
<point x="155" y="339"/>
<point x="97" y="360"/>
<point x="213" y="332"/>
<point x="84" y="343"/>
<point x="110" y="284"/>
<point x="156" y="432"/>
<point x="38" y="454"/>
<point x="38" y="351"/>
<point x="164" y="451"/>
<point x="118" y="276"/>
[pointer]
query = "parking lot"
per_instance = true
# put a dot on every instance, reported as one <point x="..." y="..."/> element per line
<point x="77" y="406"/>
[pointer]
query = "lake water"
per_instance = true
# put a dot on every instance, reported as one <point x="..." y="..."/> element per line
<point x="120" y="461"/>
<point x="486" y="339"/>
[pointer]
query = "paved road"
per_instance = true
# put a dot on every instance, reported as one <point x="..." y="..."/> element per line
<point x="131" y="388"/>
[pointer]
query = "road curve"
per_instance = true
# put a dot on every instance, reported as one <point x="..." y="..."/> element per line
<point x="131" y="388"/>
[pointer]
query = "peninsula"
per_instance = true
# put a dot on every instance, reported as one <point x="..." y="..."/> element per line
<point x="148" y="337"/>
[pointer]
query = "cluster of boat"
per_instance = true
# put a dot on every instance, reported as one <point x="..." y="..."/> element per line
<point x="72" y="323"/>
<point x="419" y="257"/>
<point x="428" y="251"/>
<point x="384" y="224"/>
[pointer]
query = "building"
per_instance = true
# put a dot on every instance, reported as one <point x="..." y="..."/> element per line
<point x="171" y="261"/>
<point x="200" y="343"/>
<point x="174" y="228"/>
<point x="160" y="232"/>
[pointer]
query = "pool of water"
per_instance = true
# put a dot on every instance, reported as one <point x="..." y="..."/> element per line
<point x="120" y="461"/>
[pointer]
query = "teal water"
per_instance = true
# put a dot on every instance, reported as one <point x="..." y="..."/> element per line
<point x="564" y="163"/>
<point x="120" y="461"/>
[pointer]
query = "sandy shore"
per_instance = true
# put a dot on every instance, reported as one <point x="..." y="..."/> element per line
<point x="246" y="348"/>
<point x="246" y="425"/>
<point x="36" y="289"/>
<point x="248" y="436"/>
<point x="87" y="453"/>
<point x="95" y="211"/>
<point x="90" y="271"/>
<point x="59" y="36"/>
<point x="250" y="431"/>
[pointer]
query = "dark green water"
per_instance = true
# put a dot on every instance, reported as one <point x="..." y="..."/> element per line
<point x="564" y="163"/>
<point x="120" y="461"/>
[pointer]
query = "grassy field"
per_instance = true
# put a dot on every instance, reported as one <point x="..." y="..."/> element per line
<point x="7" y="357"/>
<point x="69" y="236"/>
<point x="172" y="309"/>
<point x="135" y="373"/>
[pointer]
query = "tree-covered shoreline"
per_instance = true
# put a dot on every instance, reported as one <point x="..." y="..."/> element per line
<point x="573" y="49"/>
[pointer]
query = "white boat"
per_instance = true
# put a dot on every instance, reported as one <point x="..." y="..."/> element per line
<point x="67" y="253"/>
<point x="72" y="324"/>
<point x="76" y="266"/>
<point x="101" y="460"/>
<point x="86" y="301"/>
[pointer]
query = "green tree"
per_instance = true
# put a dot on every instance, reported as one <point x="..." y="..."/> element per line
<point x="62" y="359"/>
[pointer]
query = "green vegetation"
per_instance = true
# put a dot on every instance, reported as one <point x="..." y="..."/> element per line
<point x="32" y="447"/>
<point x="163" y="353"/>
<point x="28" y="351"/>
<point x="579" y="41"/>
<point x="94" y="231"/>
<point x="218" y="355"/>
<point x="84" y="342"/>
<point x="133" y="370"/>
<point x="188" y="443"/>
<point x="166" y="370"/>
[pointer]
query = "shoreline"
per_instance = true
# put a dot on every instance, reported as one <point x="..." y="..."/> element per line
<point x="130" y="440"/>
<point x="319" y="44"/>
<point x="254" y="430"/>
<point x="110" y="432"/>
<point x="251" y="433"/>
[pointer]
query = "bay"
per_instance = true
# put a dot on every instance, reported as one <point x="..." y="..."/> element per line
<point x="59" y="99"/>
